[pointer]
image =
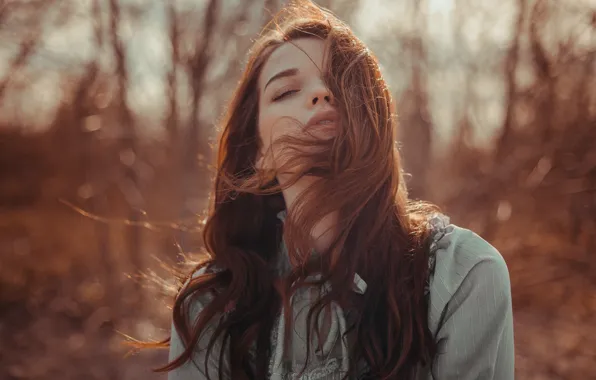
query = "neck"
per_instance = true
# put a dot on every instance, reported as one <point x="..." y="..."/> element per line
<point x="325" y="230"/>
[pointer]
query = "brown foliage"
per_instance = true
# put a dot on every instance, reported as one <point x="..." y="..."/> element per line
<point x="67" y="278"/>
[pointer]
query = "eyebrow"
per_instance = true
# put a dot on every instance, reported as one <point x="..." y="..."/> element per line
<point x="282" y="74"/>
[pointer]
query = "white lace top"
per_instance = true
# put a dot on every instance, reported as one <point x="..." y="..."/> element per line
<point x="469" y="313"/>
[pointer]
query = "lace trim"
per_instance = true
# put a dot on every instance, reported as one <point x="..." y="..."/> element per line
<point x="324" y="371"/>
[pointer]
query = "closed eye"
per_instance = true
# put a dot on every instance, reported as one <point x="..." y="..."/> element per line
<point x="284" y="94"/>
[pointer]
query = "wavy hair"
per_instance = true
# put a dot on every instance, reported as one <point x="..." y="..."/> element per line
<point x="382" y="234"/>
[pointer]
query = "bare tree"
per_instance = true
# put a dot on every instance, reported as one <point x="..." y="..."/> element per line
<point x="510" y="69"/>
<point x="500" y="165"/>
<point x="465" y="130"/>
<point x="86" y="106"/>
<point x="546" y="82"/>
<point x="198" y="66"/>
<point x="194" y="181"/>
<point x="188" y="145"/>
<point x="129" y="155"/>
<point x="172" y="119"/>
<point x="418" y="134"/>
<point x="31" y="40"/>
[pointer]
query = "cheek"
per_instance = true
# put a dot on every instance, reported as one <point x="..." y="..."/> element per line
<point x="265" y="132"/>
<point x="264" y="129"/>
<point x="272" y="126"/>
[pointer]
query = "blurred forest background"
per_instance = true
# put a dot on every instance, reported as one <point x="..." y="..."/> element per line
<point x="107" y="114"/>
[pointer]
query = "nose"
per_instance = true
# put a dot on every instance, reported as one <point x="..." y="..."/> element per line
<point x="320" y="94"/>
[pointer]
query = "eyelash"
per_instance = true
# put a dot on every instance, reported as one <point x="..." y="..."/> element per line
<point x="284" y="94"/>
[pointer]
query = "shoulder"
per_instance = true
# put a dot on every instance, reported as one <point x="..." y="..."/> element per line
<point x="204" y="357"/>
<point x="460" y="251"/>
<point x="196" y="302"/>
<point x="462" y="257"/>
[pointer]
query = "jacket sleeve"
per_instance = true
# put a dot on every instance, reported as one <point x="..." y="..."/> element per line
<point x="196" y="368"/>
<point x="475" y="341"/>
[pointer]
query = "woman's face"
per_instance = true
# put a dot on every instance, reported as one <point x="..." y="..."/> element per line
<point x="293" y="98"/>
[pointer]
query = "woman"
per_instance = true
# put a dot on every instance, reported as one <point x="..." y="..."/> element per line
<point x="320" y="267"/>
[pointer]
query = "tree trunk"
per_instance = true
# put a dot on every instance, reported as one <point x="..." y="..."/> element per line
<point x="128" y="153"/>
<point x="416" y="126"/>
<point x="194" y="181"/>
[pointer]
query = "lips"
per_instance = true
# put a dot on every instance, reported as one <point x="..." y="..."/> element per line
<point x="323" y="118"/>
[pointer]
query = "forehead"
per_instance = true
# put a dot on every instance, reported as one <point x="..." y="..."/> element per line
<point x="303" y="54"/>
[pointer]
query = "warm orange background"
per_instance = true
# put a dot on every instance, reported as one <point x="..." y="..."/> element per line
<point x="105" y="148"/>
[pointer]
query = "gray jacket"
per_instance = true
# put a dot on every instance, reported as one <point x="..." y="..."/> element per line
<point x="470" y="314"/>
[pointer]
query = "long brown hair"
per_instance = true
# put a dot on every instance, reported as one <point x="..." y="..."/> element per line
<point x="382" y="235"/>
